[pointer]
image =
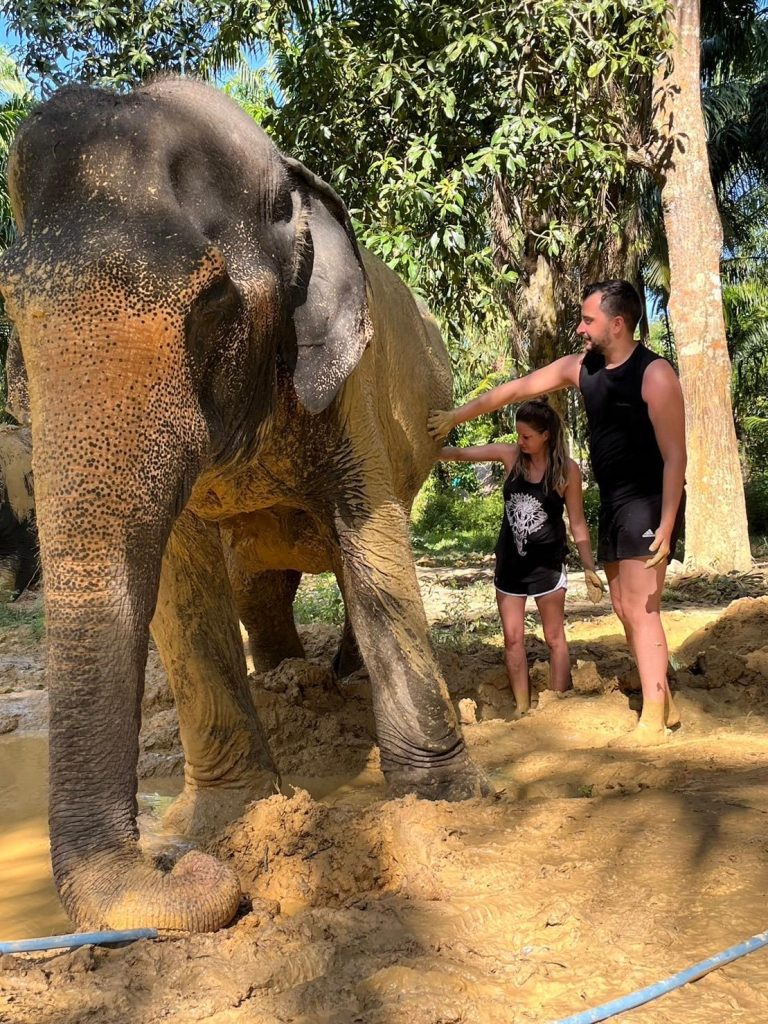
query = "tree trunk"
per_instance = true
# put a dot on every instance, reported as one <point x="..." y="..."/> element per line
<point x="716" y="538"/>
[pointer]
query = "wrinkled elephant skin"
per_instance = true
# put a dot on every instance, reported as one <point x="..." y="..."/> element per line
<point x="223" y="393"/>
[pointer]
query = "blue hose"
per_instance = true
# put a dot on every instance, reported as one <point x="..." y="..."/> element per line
<point x="645" y="995"/>
<point x="80" y="939"/>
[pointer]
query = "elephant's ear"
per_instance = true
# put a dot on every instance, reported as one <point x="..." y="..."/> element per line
<point x="328" y="290"/>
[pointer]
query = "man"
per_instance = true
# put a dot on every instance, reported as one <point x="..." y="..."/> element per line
<point x="636" y="422"/>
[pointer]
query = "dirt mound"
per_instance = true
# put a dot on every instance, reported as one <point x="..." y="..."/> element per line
<point x="733" y="650"/>
<point x="295" y="852"/>
<point x="315" y="725"/>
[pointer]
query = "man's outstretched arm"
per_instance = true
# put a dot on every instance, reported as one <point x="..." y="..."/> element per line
<point x="561" y="373"/>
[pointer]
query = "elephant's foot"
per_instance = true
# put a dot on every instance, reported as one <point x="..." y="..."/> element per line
<point x="460" y="781"/>
<point x="200" y="812"/>
<point x="267" y="658"/>
<point x="347" y="659"/>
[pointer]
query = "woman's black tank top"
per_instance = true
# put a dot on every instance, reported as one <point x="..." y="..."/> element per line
<point x="532" y="534"/>
<point x="625" y="456"/>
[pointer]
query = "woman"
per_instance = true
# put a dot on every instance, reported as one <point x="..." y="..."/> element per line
<point x="540" y="482"/>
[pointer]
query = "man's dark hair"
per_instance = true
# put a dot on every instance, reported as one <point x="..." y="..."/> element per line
<point x="619" y="299"/>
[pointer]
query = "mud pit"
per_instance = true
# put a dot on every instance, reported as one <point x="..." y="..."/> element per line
<point x="593" y="872"/>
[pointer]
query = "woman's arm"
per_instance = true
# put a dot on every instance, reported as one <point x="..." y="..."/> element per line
<point x="499" y="452"/>
<point x="574" y="503"/>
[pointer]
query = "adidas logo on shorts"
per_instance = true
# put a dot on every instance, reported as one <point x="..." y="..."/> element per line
<point x="649" y="533"/>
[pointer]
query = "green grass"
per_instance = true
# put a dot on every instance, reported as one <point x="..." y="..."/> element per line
<point x="13" y="617"/>
<point x="449" y="526"/>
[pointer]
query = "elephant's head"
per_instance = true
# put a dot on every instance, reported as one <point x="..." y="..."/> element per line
<point x="168" y="256"/>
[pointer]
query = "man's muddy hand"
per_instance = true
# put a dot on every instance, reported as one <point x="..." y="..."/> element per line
<point x="659" y="549"/>
<point x="440" y="423"/>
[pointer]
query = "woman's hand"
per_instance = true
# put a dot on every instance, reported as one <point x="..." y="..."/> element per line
<point x="595" y="586"/>
<point x="440" y="423"/>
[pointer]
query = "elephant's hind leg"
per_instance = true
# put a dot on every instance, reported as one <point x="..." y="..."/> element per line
<point x="196" y="630"/>
<point x="264" y="602"/>
<point x="347" y="658"/>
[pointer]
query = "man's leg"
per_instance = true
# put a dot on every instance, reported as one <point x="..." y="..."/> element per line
<point x="552" y="611"/>
<point x="512" y="612"/>
<point x="637" y="590"/>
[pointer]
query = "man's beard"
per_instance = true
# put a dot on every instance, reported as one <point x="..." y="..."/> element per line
<point x="592" y="344"/>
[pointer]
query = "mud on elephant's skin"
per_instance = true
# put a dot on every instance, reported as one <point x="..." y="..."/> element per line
<point x="18" y="534"/>
<point x="230" y="394"/>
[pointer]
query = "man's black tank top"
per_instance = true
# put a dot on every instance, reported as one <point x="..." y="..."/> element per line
<point x="532" y="534"/>
<point x="625" y="456"/>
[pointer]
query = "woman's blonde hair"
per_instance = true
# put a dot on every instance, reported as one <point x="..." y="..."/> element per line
<point x="540" y="415"/>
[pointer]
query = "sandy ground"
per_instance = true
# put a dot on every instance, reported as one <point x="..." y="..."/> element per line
<point x="591" y="873"/>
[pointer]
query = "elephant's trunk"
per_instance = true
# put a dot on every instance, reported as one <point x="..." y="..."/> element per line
<point x="115" y="455"/>
<point x="97" y="651"/>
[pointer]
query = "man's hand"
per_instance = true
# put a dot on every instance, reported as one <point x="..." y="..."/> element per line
<point x="661" y="546"/>
<point x="440" y="423"/>
<point x="595" y="586"/>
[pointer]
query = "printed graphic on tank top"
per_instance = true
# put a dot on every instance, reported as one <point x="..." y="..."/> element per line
<point x="625" y="456"/>
<point x="531" y="547"/>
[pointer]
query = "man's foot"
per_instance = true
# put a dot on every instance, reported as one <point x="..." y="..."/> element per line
<point x="643" y="735"/>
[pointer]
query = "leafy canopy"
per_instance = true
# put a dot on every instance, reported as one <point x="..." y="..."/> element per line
<point x="409" y="108"/>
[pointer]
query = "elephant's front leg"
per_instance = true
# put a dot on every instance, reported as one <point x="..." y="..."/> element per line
<point x="422" y="748"/>
<point x="196" y="630"/>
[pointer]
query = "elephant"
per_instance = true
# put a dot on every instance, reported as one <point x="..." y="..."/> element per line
<point x="225" y="391"/>
<point x="18" y="534"/>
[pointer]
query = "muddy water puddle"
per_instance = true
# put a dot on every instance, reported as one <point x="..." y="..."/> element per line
<point x="29" y="904"/>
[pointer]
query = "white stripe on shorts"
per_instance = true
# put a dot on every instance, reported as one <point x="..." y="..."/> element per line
<point x="562" y="584"/>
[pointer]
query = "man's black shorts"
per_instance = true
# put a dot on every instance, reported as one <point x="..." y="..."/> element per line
<point x="627" y="530"/>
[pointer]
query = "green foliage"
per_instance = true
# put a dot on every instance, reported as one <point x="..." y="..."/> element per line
<point x="410" y="110"/>
<point x="446" y="525"/>
<point x="118" y="44"/>
<point x="754" y="436"/>
<point x="592" y="509"/>
<point x="15" y="104"/>
<point x="756" y="493"/>
<point x="319" y="600"/>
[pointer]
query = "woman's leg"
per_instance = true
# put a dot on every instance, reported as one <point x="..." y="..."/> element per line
<point x="512" y="612"/>
<point x="552" y="611"/>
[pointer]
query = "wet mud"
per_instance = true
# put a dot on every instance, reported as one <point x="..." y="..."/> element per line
<point x="591" y="872"/>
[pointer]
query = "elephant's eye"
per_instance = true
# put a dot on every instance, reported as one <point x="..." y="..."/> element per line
<point x="214" y="309"/>
<point x="218" y="295"/>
